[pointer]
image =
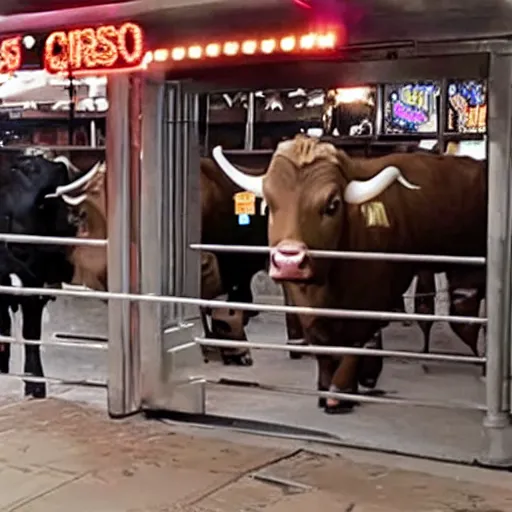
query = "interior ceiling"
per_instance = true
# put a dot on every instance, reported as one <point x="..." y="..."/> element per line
<point x="30" y="6"/>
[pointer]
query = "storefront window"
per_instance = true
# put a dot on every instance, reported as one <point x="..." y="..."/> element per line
<point x="467" y="107"/>
<point x="411" y="108"/>
<point x="350" y="112"/>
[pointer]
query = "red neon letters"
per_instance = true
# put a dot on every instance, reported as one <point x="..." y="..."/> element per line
<point x="10" y="55"/>
<point x="101" y="48"/>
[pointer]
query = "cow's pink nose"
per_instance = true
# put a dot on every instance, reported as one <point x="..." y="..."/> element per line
<point x="289" y="261"/>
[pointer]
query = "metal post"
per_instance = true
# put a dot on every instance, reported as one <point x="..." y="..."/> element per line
<point x="152" y="212"/>
<point x="379" y="112"/>
<point x="249" y="124"/>
<point x="123" y="395"/>
<point x="442" y="115"/>
<point x="191" y="194"/>
<point x="168" y="199"/>
<point x="497" y="420"/>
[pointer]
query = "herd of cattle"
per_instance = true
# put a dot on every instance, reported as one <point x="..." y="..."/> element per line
<point x="318" y="197"/>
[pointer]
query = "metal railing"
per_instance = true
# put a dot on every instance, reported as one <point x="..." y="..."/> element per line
<point x="339" y="351"/>
<point x="11" y="290"/>
<point x="327" y="312"/>
<point x="52" y="240"/>
<point x="350" y="255"/>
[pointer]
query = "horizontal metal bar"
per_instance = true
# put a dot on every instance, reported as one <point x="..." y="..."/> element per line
<point x="52" y="148"/>
<point x="244" y="152"/>
<point x="54" y="380"/>
<point x="251" y="386"/>
<point x="350" y="255"/>
<point x="245" y="306"/>
<point x="52" y="240"/>
<point x="79" y="337"/>
<point x="339" y="351"/>
<point x="70" y="344"/>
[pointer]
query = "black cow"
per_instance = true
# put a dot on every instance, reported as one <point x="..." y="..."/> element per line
<point x="25" y="210"/>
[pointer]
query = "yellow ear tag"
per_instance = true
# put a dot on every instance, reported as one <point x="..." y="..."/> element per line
<point x="245" y="203"/>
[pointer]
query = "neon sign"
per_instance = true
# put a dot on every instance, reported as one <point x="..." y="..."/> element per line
<point x="412" y="108"/>
<point x="467" y="107"/>
<point x="101" y="48"/>
<point x="10" y="55"/>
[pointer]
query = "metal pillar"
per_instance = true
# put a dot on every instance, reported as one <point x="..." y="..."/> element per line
<point x="497" y="420"/>
<point x="249" y="124"/>
<point x="169" y="222"/>
<point x="123" y="149"/>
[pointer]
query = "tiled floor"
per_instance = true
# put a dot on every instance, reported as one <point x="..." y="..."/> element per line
<point x="58" y="456"/>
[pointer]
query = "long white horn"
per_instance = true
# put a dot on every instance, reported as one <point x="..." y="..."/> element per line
<point x="252" y="184"/>
<point x="74" y="201"/>
<point x="64" y="189"/>
<point x="68" y="164"/>
<point x="358" y="192"/>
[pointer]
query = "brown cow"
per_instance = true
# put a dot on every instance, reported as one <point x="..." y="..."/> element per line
<point x="320" y="198"/>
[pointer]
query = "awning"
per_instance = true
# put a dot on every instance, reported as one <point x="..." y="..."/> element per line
<point x="366" y="21"/>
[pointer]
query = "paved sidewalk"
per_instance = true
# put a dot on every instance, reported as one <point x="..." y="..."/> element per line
<point x="57" y="456"/>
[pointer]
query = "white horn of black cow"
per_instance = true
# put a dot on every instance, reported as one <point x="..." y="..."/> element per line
<point x="358" y="192"/>
<point x="252" y="184"/>
<point x="80" y="182"/>
<point x="64" y="160"/>
<point x="74" y="201"/>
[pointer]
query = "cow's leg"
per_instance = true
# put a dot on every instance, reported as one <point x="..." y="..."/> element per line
<point x="207" y="333"/>
<point x="32" y="308"/>
<point x="370" y="367"/>
<point x="294" y="329"/>
<point x="5" y="330"/>
<point x="424" y="303"/>
<point x="229" y="324"/>
<point x="344" y="380"/>
<point x="326" y="366"/>
<point x="468" y="333"/>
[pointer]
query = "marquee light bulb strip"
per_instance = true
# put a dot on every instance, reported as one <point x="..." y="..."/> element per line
<point x="312" y="42"/>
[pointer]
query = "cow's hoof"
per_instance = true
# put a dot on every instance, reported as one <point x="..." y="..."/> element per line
<point x="369" y="383"/>
<point x="296" y="355"/>
<point x="342" y="407"/>
<point x="35" y="390"/>
<point x="238" y="360"/>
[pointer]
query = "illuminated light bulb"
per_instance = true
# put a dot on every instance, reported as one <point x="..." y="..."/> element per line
<point x="160" y="55"/>
<point x="307" y="42"/>
<point x="249" y="47"/>
<point x="195" y="52"/>
<point x="287" y="43"/>
<point x="178" y="53"/>
<point x="29" y="42"/>
<point x="148" y="58"/>
<point x="268" y="45"/>
<point x="326" y="40"/>
<point x="136" y="53"/>
<point x="231" y="48"/>
<point x="212" y="50"/>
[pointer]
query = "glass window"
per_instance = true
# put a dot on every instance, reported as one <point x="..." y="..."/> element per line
<point x="281" y="114"/>
<point x="227" y="114"/>
<point x="411" y="108"/>
<point x="466" y="107"/>
<point x="350" y="111"/>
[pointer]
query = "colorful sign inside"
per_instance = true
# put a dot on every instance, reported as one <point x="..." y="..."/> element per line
<point x="10" y="55"/>
<point x="101" y="48"/>
<point x="467" y="107"/>
<point x="412" y="108"/>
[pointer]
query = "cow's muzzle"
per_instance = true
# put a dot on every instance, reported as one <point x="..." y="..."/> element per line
<point x="290" y="261"/>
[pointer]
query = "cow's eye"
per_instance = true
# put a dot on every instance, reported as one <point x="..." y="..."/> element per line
<point x="332" y="206"/>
